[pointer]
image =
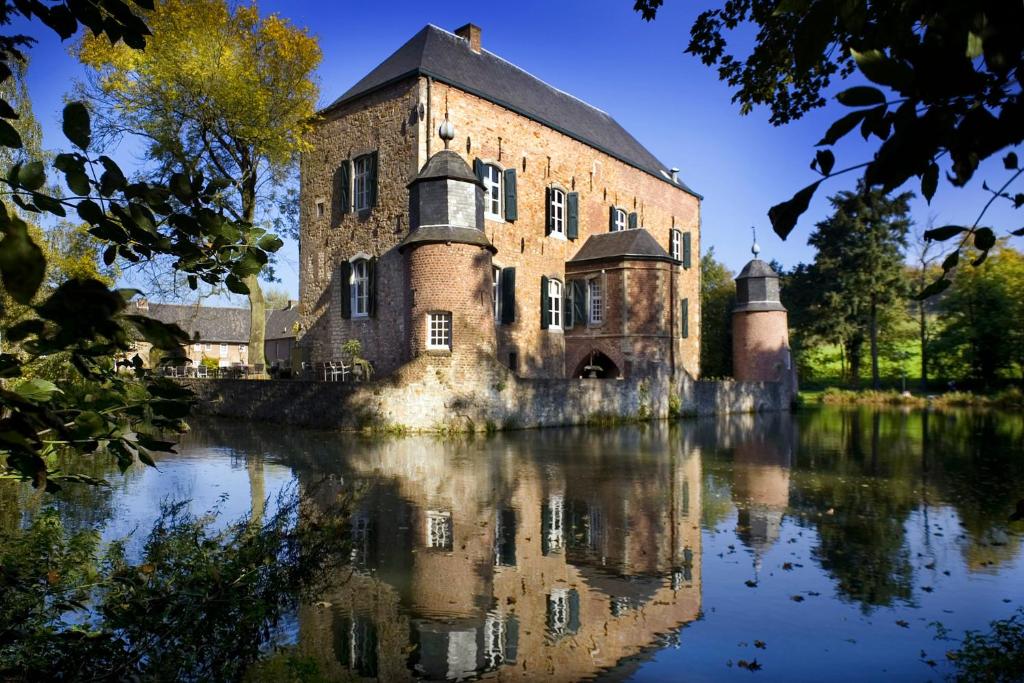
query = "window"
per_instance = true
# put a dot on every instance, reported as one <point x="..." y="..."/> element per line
<point x="361" y="182"/>
<point x="223" y="350"/>
<point x="556" y="212"/>
<point x="359" y="288"/>
<point x="361" y="530"/>
<point x="596" y="297"/>
<point x="492" y="192"/>
<point x="674" y="249"/>
<point x="439" y="331"/>
<point x="197" y="347"/>
<point x="552" y="516"/>
<point x="494" y="641"/>
<point x="439" y="530"/>
<point x="320" y="208"/>
<point x="555" y="304"/>
<point x="563" y="612"/>
<point x="496" y="293"/>
<point x="207" y="347"/>
<point x="619" y="222"/>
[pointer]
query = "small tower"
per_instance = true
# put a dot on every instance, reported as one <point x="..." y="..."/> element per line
<point x="450" y="309"/>
<point x="760" y="327"/>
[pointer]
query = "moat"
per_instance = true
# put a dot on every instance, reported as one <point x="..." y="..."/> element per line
<point x="825" y="545"/>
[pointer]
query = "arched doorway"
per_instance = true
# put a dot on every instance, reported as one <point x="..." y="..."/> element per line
<point x="598" y="366"/>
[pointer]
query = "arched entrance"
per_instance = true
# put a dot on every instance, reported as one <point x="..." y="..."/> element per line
<point x="597" y="365"/>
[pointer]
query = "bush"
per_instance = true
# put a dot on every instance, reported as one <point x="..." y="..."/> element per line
<point x="993" y="657"/>
<point x="202" y="603"/>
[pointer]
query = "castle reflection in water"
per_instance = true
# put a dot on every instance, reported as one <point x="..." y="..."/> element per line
<point x="562" y="554"/>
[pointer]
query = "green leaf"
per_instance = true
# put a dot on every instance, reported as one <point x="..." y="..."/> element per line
<point x="1019" y="232"/>
<point x="826" y="160"/>
<point x="861" y="96"/>
<point x="181" y="187"/>
<point x="944" y="233"/>
<point x="975" y="45"/>
<point x="22" y="263"/>
<point x="784" y="216"/>
<point x="89" y="423"/>
<point x="984" y="238"/>
<point x="951" y="261"/>
<point x="112" y="179"/>
<point x="1010" y="161"/>
<point x="48" y="203"/>
<point x="270" y="243"/>
<point x="32" y="175"/>
<point x="77" y="127"/>
<point x="842" y="126"/>
<point x="9" y="137"/>
<point x="882" y="70"/>
<point x="37" y="390"/>
<point x="930" y="181"/>
<point x="90" y="212"/>
<point x="161" y="335"/>
<point x="235" y="285"/>
<point x="934" y="288"/>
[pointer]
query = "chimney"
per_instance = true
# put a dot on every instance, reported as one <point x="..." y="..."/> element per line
<point x="471" y="33"/>
<point x="142" y="304"/>
<point x="675" y="174"/>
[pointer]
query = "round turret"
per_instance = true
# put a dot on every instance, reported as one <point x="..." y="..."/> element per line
<point x="760" y="327"/>
<point x="448" y="257"/>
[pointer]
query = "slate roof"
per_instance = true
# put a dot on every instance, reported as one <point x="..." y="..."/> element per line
<point x="623" y="244"/>
<point x="447" y="164"/>
<point x="217" y="324"/>
<point x="448" y="58"/>
<point x="281" y="322"/>
<point x="757" y="268"/>
<point x="442" y="234"/>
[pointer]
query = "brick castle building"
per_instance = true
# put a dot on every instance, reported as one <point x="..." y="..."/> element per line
<point x="458" y="211"/>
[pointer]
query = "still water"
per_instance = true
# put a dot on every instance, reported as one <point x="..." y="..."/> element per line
<point x="820" y="546"/>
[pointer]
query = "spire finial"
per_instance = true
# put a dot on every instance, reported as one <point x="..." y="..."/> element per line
<point x="446" y="131"/>
<point x="756" y="248"/>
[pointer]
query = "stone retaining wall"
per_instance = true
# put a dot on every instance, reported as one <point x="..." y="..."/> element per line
<point x="419" y="399"/>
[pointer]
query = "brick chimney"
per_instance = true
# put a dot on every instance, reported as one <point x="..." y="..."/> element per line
<point x="471" y="33"/>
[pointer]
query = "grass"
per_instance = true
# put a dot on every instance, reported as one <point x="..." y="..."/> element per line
<point x="1006" y="399"/>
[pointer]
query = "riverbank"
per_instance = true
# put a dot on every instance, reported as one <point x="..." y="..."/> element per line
<point x="1007" y="399"/>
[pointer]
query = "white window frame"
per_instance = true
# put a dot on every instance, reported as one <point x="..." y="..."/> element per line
<point x="439" y="330"/>
<point x="496" y="293"/>
<point x="440" y="531"/>
<point x="558" y="611"/>
<point x="321" y="208"/>
<point x="556" y="304"/>
<point x="223" y="350"/>
<point x="207" y="347"/>
<point x="359" y="287"/>
<point x="494" y="182"/>
<point x="621" y="220"/>
<point x="556" y="511"/>
<point x="361" y="183"/>
<point x="675" y="244"/>
<point x="557" y="211"/>
<point x="595" y="304"/>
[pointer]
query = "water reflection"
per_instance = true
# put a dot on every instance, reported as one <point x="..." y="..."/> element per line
<point x="470" y="557"/>
<point x="575" y="554"/>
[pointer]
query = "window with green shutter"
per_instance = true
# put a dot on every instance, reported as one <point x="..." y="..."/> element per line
<point x="345" y="277"/>
<point x="634" y="221"/>
<point x="684" y="316"/>
<point x="579" y="302"/>
<point x="572" y="215"/>
<point x="507" y="286"/>
<point x="511" y="208"/>
<point x="345" y="186"/>
<point x="687" y="250"/>
<point x="544" y="313"/>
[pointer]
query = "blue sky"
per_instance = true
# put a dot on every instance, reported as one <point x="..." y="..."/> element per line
<point x="604" y="53"/>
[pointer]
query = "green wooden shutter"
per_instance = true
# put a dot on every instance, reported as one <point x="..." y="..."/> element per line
<point x="547" y="210"/>
<point x="372" y="179"/>
<point x="511" y="638"/>
<point x="684" y="315"/>
<point x="573" y="624"/>
<point x="687" y="250"/>
<point x="345" y="275"/>
<point x="371" y="286"/>
<point x="633" y="221"/>
<point x="579" y="301"/>
<point x="511" y="209"/>
<point x="508" y="295"/>
<point x="572" y="215"/>
<point x="344" y="186"/>
<point x="611" y="219"/>
<point x="478" y="169"/>
<point x="545" y="314"/>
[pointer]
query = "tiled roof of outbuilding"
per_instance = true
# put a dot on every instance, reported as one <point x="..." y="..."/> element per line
<point x="218" y="324"/>
<point x="281" y="322"/>
<point x="624" y="244"/>
<point x="448" y="58"/>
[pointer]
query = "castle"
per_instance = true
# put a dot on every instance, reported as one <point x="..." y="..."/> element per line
<point x="457" y="209"/>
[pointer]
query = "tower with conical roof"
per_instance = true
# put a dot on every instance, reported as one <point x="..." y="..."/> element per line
<point x="760" y="326"/>
<point x="450" y="311"/>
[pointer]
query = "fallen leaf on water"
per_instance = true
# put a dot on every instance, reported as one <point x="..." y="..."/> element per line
<point x="759" y="644"/>
<point x="788" y="566"/>
<point x="797" y="598"/>
<point x="927" y="589"/>
<point x="902" y="624"/>
<point x="750" y="584"/>
<point x="749" y="666"/>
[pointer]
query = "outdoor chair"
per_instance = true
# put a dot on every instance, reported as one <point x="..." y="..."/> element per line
<point x="258" y="369"/>
<point x="338" y="370"/>
<point x="202" y="371"/>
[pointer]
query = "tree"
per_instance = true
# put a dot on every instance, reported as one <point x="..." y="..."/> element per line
<point x="859" y="269"/>
<point x="83" y="317"/>
<point x="717" y="297"/>
<point x="982" y="334"/>
<point x="925" y="269"/>
<point x="276" y="299"/>
<point x="951" y="70"/>
<point x="220" y="91"/>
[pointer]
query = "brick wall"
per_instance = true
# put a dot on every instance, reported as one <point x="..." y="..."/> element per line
<point x="760" y="343"/>
<point x="401" y="122"/>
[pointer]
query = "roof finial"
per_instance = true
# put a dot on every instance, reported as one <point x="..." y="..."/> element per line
<point x="447" y="130"/>
<point x="756" y="249"/>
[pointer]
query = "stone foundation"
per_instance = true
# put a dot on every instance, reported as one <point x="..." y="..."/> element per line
<point x="421" y="397"/>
